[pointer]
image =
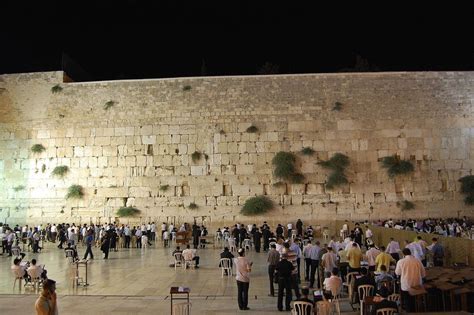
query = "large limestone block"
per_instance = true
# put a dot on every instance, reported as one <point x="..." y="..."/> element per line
<point x="113" y="192"/>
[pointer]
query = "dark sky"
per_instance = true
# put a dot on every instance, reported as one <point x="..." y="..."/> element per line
<point x="127" y="40"/>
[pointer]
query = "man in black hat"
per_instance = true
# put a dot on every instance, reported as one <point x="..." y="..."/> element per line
<point x="284" y="269"/>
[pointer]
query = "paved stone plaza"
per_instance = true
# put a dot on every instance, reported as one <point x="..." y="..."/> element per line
<point x="138" y="281"/>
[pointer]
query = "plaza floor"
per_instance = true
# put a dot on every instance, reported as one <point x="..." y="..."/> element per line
<point x="138" y="281"/>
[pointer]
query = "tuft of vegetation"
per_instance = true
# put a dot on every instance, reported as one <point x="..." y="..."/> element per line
<point x="187" y="88"/>
<point x="60" y="171"/>
<point x="37" y="148"/>
<point x="18" y="188"/>
<point x="56" y="89"/>
<point x="337" y="106"/>
<point x="395" y="166"/>
<point x="43" y="168"/>
<point x="193" y="206"/>
<point x="75" y="192"/>
<point x="278" y="184"/>
<point x="337" y="164"/>
<point x="196" y="156"/>
<point x="127" y="212"/>
<point x="336" y="179"/>
<point x="108" y="105"/>
<point x="206" y="157"/>
<point x="307" y="151"/>
<point x="252" y="129"/>
<point x="222" y="132"/>
<point x="406" y="205"/>
<point x="467" y="188"/>
<point x="297" y="178"/>
<point x="256" y="205"/>
<point x="284" y="163"/>
<point x="164" y="187"/>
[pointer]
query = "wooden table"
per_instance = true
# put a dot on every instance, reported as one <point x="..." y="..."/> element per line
<point x="176" y="291"/>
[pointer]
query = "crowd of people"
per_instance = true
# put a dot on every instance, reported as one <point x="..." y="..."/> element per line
<point x="298" y="264"/>
<point x="452" y="227"/>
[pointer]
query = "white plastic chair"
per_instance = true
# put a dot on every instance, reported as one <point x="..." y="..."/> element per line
<point x="16" y="251"/>
<point x="70" y="255"/>
<point x="231" y="242"/>
<point x="189" y="263"/>
<point x="387" y="311"/>
<point x="364" y="290"/>
<point x="302" y="308"/>
<point x="178" y="260"/>
<point x="247" y="244"/>
<point x="18" y="278"/>
<point x="181" y="309"/>
<point x="325" y="234"/>
<point x="225" y="266"/>
<point x="35" y="275"/>
<point x="350" y="278"/>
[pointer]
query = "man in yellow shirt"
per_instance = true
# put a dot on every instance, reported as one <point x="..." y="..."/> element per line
<point x="354" y="256"/>
<point x="383" y="259"/>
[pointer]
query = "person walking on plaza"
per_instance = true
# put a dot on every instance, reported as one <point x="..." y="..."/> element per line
<point x="89" y="239"/>
<point x="46" y="304"/>
<point x="243" y="267"/>
<point x="284" y="269"/>
<point x="313" y="253"/>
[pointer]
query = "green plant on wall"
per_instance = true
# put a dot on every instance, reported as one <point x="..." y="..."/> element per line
<point x="60" y="171"/>
<point x="108" y="105"/>
<point x="285" y="168"/>
<point x="307" y="151"/>
<point x="337" y="164"/>
<point x="75" y="192"/>
<point x="187" y="88"/>
<point x="193" y="206"/>
<point x="196" y="156"/>
<point x="406" y="205"/>
<point x="43" y="168"/>
<point x="396" y="166"/>
<point x="128" y="212"/>
<point x="467" y="188"/>
<point x="19" y="188"/>
<point x="37" y="148"/>
<point x="164" y="188"/>
<point x="256" y="205"/>
<point x="337" y="106"/>
<point x="252" y="129"/>
<point x="56" y="89"/>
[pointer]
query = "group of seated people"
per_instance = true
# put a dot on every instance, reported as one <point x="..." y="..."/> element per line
<point x="28" y="270"/>
<point x="189" y="254"/>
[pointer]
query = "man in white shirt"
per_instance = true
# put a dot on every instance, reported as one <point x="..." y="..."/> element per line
<point x="190" y="254"/>
<point x="415" y="249"/>
<point x="290" y="228"/>
<point x="371" y="254"/>
<point x="163" y="229"/>
<point x="333" y="284"/>
<point x="329" y="261"/>
<point x="411" y="273"/>
<point x="393" y="248"/>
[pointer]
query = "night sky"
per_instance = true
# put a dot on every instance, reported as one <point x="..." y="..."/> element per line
<point x="126" y="40"/>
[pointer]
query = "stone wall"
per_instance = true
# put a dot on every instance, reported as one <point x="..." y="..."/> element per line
<point x="124" y="155"/>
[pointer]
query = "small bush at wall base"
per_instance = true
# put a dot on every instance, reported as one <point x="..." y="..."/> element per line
<point x="252" y="129"/>
<point x="127" y="212"/>
<point x="196" y="156"/>
<point x="37" y="148"/>
<point x="75" y="192"/>
<point x="406" y="205"/>
<point x="109" y="104"/>
<point x="192" y="205"/>
<point x="256" y="205"/>
<point x="18" y="188"/>
<point x="395" y="166"/>
<point x="56" y="89"/>
<point x="164" y="187"/>
<point x="307" y="151"/>
<point x="60" y="171"/>
<point x="467" y="188"/>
